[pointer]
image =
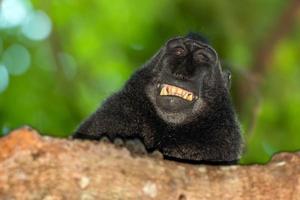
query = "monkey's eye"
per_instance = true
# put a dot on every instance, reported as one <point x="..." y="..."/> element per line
<point x="202" y="57"/>
<point x="179" y="51"/>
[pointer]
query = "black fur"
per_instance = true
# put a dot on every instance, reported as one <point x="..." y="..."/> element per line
<point x="204" y="130"/>
<point x="197" y="36"/>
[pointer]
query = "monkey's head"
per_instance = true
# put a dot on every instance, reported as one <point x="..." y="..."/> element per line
<point x="187" y="79"/>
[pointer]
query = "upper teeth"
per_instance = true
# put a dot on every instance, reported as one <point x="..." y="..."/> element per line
<point x="176" y="91"/>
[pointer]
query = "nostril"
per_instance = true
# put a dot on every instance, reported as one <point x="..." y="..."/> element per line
<point x="183" y="71"/>
<point x="179" y="76"/>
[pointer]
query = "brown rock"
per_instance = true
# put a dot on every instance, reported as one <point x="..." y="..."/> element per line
<point x="36" y="167"/>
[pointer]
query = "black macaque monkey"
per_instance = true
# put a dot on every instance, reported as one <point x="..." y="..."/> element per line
<point x="177" y="103"/>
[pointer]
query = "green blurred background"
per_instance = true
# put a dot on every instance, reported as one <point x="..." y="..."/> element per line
<point x="60" y="59"/>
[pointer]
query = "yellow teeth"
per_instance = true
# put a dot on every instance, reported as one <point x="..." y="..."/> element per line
<point x="168" y="90"/>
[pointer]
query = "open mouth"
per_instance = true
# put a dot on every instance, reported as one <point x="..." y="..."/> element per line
<point x="170" y="90"/>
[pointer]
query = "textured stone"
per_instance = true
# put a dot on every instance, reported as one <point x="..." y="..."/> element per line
<point x="36" y="167"/>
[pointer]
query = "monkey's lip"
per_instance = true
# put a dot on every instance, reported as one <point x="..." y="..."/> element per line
<point x="172" y="90"/>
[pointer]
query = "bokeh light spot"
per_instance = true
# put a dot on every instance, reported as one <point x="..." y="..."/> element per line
<point x="16" y="59"/>
<point x="5" y="130"/>
<point x="13" y="12"/>
<point x="37" y="26"/>
<point x="4" y="78"/>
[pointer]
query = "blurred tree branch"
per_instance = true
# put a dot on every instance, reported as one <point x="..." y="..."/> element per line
<point x="248" y="92"/>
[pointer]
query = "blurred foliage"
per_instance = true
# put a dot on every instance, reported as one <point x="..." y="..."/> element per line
<point x="59" y="59"/>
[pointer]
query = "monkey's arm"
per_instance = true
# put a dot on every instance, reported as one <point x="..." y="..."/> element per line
<point x="115" y="117"/>
<point x="119" y="121"/>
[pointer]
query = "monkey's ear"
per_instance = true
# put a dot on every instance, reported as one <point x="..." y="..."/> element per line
<point x="227" y="78"/>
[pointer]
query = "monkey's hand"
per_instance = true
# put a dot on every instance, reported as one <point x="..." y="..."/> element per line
<point x="134" y="145"/>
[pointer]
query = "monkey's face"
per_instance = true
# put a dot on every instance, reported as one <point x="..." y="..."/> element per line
<point x="185" y="72"/>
